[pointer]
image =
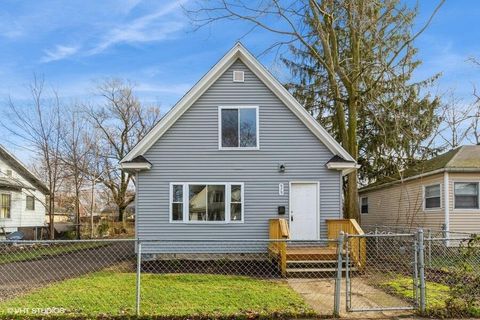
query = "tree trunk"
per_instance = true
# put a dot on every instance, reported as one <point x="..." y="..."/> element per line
<point x="122" y="214"/>
<point x="77" y="214"/>
<point x="51" y="209"/>
<point x="351" y="197"/>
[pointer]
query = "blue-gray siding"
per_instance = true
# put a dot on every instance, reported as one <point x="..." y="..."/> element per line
<point x="188" y="152"/>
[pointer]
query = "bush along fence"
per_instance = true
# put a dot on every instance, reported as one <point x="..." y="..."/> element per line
<point x="198" y="278"/>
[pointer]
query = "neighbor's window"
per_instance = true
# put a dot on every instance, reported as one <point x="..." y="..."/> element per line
<point x="364" y="205"/>
<point x="432" y="196"/>
<point x="5" y="205"/>
<point x="177" y="202"/>
<point x="30" y="203"/>
<point x="466" y="195"/>
<point x="238" y="127"/>
<point x="207" y="202"/>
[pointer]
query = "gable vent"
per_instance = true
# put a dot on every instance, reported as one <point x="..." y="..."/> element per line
<point x="238" y="76"/>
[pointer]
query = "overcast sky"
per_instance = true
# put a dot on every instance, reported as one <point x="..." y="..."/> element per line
<point x="74" y="43"/>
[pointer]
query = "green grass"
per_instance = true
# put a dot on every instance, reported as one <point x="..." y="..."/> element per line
<point x="38" y="252"/>
<point x="437" y="293"/>
<point x="167" y="296"/>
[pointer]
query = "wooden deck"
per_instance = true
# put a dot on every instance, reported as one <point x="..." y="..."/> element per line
<point x="301" y="258"/>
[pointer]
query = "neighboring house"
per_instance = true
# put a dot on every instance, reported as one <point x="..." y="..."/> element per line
<point x="22" y="197"/>
<point x="234" y="152"/>
<point x="417" y="197"/>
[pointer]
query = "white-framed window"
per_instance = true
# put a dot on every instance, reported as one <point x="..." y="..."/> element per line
<point x="466" y="195"/>
<point x="238" y="128"/>
<point x="212" y="202"/>
<point x="30" y="203"/>
<point x="5" y="205"/>
<point x="363" y="205"/>
<point x="432" y="196"/>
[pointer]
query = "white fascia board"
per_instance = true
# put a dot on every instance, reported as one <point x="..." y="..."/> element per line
<point x="345" y="167"/>
<point x="135" y="166"/>
<point x="237" y="52"/>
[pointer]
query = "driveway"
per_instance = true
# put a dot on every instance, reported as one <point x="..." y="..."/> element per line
<point x="19" y="277"/>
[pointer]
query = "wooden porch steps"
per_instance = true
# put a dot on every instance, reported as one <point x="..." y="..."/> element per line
<point x="312" y="258"/>
<point x="316" y="270"/>
<point x="312" y="261"/>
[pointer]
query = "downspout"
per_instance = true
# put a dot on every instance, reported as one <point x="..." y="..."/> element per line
<point x="446" y="196"/>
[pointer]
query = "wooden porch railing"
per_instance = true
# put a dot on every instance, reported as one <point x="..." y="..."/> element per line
<point x="278" y="230"/>
<point x="357" y="245"/>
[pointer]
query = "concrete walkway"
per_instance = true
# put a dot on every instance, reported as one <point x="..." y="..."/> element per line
<point x="319" y="294"/>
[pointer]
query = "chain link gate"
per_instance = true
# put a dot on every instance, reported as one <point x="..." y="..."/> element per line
<point x="391" y="264"/>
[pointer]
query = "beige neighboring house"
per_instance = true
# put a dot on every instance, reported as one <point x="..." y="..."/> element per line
<point x="442" y="192"/>
<point x="22" y="198"/>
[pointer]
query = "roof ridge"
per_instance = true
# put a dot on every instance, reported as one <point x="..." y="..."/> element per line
<point x="454" y="156"/>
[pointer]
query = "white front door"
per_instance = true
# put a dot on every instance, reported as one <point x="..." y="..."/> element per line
<point x="304" y="215"/>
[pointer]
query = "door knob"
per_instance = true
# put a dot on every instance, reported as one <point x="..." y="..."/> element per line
<point x="291" y="218"/>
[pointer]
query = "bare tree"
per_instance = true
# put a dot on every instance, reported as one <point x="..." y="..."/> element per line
<point x="76" y="146"/>
<point x="119" y="123"/>
<point x="456" y="122"/>
<point x="39" y="127"/>
<point x="475" y="125"/>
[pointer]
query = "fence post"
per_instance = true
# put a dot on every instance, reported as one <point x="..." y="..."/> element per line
<point x="338" y="280"/>
<point x="415" y="273"/>
<point x="139" y="272"/>
<point x="429" y="243"/>
<point x="421" y="269"/>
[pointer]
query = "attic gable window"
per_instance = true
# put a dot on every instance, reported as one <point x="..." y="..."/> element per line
<point x="238" y="128"/>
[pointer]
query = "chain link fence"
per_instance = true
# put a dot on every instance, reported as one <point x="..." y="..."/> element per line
<point x="390" y="261"/>
<point x="181" y="278"/>
<point x="241" y="278"/>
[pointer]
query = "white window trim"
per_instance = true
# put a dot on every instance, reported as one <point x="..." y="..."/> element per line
<point x="368" y="205"/>
<point x="455" y="209"/>
<point x="228" y="197"/>
<point x="424" y="200"/>
<point x="257" y="110"/>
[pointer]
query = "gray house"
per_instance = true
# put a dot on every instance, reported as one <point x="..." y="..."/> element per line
<point x="236" y="151"/>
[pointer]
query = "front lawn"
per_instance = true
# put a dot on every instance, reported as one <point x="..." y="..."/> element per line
<point x="437" y="293"/>
<point x="167" y="296"/>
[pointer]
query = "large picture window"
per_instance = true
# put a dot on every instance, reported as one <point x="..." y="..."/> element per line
<point x="432" y="196"/>
<point x="5" y="205"/>
<point x="238" y="127"/>
<point x="466" y="195"/>
<point x="203" y="202"/>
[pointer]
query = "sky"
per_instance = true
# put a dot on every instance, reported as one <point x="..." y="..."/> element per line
<point x="74" y="44"/>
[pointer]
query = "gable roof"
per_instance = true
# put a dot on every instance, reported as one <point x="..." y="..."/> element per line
<point x="22" y="170"/>
<point x="237" y="52"/>
<point x="461" y="159"/>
